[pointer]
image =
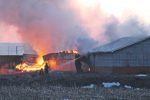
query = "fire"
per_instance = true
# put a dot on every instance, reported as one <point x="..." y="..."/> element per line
<point x="24" y="67"/>
<point x="39" y="64"/>
<point x="75" y="52"/>
<point x="56" y="61"/>
<point x="52" y="63"/>
<point x="70" y="51"/>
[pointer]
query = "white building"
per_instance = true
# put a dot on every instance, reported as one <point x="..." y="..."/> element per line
<point x="13" y="53"/>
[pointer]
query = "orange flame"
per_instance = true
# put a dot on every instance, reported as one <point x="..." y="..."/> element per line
<point x="70" y="51"/>
<point x="40" y="64"/>
<point x="52" y="63"/>
<point x="32" y="68"/>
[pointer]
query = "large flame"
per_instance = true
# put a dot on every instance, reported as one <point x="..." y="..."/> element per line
<point x="39" y="65"/>
<point x="52" y="63"/>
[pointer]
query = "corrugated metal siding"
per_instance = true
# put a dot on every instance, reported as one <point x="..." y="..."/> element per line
<point x="92" y="60"/>
<point x="11" y="49"/>
<point x="137" y="55"/>
<point x="104" y="60"/>
<point x="16" y="49"/>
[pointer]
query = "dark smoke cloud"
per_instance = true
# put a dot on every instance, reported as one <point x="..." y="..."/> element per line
<point x="45" y="24"/>
<point x="131" y="27"/>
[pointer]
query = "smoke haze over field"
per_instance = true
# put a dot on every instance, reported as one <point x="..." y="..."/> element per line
<point x="55" y="25"/>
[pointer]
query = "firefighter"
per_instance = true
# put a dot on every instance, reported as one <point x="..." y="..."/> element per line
<point x="78" y="63"/>
<point x="46" y="68"/>
<point x="41" y="72"/>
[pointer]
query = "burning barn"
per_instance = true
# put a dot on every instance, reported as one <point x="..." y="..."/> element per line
<point x="63" y="61"/>
<point x="125" y="55"/>
<point x="12" y="54"/>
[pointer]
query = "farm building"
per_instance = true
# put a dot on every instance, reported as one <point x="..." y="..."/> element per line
<point x="13" y="53"/>
<point x="63" y="61"/>
<point x="125" y="55"/>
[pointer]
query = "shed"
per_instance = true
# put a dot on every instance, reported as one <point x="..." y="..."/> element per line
<point x="13" y="53"/>
<point x="62" y="61"/>
<point x="125" y="55"/>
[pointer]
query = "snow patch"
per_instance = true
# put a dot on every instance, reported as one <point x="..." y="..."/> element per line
<point x="89" y="86"/>
<point x="127" y="86"/>
<point x="141" y="75"/>
<point x="66" y="99"/>
<point x="109" y="85"/>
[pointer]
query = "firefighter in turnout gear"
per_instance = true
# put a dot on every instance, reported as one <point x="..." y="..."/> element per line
<point x="78" y="63"/>
<point x="46" y="68"/>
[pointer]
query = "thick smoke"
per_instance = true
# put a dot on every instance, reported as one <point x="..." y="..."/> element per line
<point x="131" y="27"/>
<point x="52" y="25"/>
<point x="103" y="21"/>
<point x="45" y="24"/>
<point x="8" y="32"/>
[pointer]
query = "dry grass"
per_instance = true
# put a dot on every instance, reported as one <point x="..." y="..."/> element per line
<point x="61" y="86"/>
<point x="70" y="93"/>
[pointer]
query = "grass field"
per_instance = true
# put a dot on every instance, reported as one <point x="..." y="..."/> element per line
<point x="70" y="93"/>
<point x="60" y="86"/>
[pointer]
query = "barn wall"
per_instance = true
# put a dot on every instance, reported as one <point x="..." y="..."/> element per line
<point x="136" y="55"/>
<point x="104" y="60"/>
<point x="10" y="60"/>
<point x="92" y="59"/>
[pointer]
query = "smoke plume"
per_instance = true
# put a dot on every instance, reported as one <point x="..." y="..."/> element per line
<point x="56" y="25"/>
<point x="131" y="27"/>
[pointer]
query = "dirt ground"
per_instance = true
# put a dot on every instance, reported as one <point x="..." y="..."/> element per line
<point x="69" y="86"/>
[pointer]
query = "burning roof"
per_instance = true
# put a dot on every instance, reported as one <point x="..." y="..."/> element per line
<point x="63" y="61"/>
<point x="53" y="60"/>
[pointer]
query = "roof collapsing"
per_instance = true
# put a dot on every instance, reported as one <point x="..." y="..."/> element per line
<point x="120" y="43"/>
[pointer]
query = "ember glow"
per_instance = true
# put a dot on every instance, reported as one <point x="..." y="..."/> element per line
<point x="52" y="63"/>
<point x="70" y="51"/>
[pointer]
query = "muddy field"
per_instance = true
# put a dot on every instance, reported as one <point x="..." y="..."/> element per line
<point x="72" y="86"/>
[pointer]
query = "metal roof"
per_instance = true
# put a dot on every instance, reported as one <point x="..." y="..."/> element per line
<point x="16" y="49"/>
<point x="120" y="43"/>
